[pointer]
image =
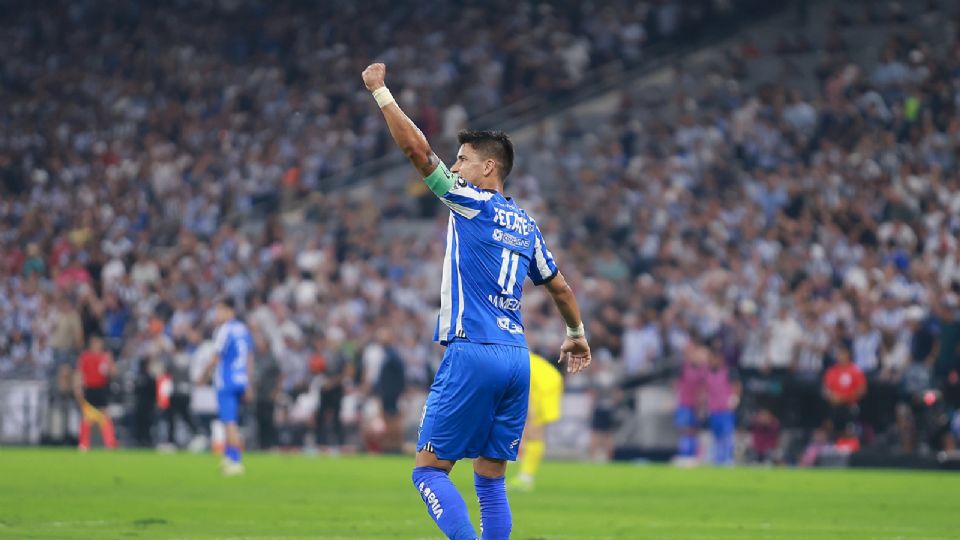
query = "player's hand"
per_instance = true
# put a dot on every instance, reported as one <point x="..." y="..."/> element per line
<point x="374" y="76"/>
<point x="576" y="352"/>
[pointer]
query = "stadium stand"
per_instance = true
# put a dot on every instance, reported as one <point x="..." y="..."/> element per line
<point x="776" y="197"/>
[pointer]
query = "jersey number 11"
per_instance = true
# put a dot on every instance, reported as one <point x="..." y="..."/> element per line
<point x="508" y="267"/>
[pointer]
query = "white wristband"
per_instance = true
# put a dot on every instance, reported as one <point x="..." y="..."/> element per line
<point x="383" y="96"/>
<point x="577" y="332"/>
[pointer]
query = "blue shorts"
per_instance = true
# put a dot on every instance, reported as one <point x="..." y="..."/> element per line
<point x="686" y="418"/>
<point x="228" y="403"/>
<point x="723" y="423"/>
<point x="477" y="405"/>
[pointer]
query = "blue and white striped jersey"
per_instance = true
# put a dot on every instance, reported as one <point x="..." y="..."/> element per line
<point x="233" y="343"/>
<point x="492" y="245"/>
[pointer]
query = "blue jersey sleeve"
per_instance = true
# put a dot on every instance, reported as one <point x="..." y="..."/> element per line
<point x="542" y="267"/>
<point x="459" y="195"/>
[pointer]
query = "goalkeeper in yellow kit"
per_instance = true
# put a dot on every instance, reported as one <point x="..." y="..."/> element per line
<point x="546" y="389"/>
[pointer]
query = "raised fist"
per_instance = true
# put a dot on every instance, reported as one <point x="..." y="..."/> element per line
<point x="374" y="75"/>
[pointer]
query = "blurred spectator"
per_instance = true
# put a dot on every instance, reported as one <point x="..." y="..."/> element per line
<point x="178" y="369"/>
<point x="844" y="385"/>
<point x="62" y="407"/>
<point x="390" y="385"/>
<point x="268" y="386"/>
<point x="144" y="404"/>
<point x="641" y="343"/>
<point x="338" y="373"/>
<point x="606" y="395"/>
<point x="66" y="337"/>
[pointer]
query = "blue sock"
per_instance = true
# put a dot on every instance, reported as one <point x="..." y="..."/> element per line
<point x="233" y="454"/>
<point x="495" y="518"/>
<point x="688" y="446"/>
<point x="723" y="449"/>
<point x="444" y="503"/>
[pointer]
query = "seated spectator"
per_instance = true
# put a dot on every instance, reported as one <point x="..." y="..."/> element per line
<point x="764" y="437"/>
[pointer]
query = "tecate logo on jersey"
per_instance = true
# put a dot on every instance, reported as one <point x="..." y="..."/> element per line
<point x="515" y="241"/>
<point x="512" y="221"/>
<point x="506" y="324"/>
<point x="504" y="302"/>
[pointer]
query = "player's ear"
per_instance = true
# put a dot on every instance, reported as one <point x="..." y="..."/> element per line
<point x="489" y="167"/>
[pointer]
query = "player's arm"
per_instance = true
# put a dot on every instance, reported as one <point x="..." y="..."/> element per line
<point x="543" y="271"/>
<point x="405" y="133"/>
<point x="250" y="394"/>
<point x="78" y="387"/>
<point x="208" y="369"/>
<point x="575" y="349"/>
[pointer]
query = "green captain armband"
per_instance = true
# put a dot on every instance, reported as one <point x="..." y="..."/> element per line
<point x="440" y="181"/>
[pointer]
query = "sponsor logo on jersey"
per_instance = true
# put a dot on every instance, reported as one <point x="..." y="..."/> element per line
<point x="512" y="221"/>
<point x="506" y="324"/>
<point x="504" y="302"/>
<point x="515" y="241"/>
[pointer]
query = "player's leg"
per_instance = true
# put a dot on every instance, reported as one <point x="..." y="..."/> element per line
<point x="686" y="420"/>
<point x="503" y="442"/>
<point x="233" y="442"/>
<point x="496" y="520"/>
<point x="84" y="429"/>
<point x="601" y="436"/>
<point x="443" y="439"/>
<point x="431" y="477"/>
<point x="229" y="405"/>
<point x="722" y="425"/>
<point x="545" y="397"/>
<point x="532" y="449"/>
<point x="106" y="429"/>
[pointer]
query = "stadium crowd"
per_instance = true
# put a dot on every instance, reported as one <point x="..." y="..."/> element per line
<point x="783" y="231"/>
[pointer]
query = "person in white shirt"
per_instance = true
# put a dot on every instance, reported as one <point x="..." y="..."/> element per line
<point x="866" y="348"/>
<point x="783" y="336"/>
<point x="642" y="344"/>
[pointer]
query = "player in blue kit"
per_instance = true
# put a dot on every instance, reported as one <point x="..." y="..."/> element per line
<point x="231" y="367"/>
<point x="477" y="404"/>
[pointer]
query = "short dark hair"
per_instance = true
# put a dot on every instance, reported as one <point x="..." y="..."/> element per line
<point x="228" y="302"/>
<point x="495" y="145"/>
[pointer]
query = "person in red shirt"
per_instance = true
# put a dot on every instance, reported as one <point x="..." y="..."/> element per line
<point x="844" y="385"/>
<point x="91" y="387"/>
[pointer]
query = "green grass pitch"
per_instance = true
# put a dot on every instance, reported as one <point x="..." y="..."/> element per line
<point x="127" y="495"/>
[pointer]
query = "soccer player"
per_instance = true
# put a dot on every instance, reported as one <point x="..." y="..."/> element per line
<point x="546" y="390"/>
<point x="233" y="363"/>
<point x="477" y="405"/>
<point x="91" y="386"/>
<point x="723" y="394"/>
<point x="689" y="401"/>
